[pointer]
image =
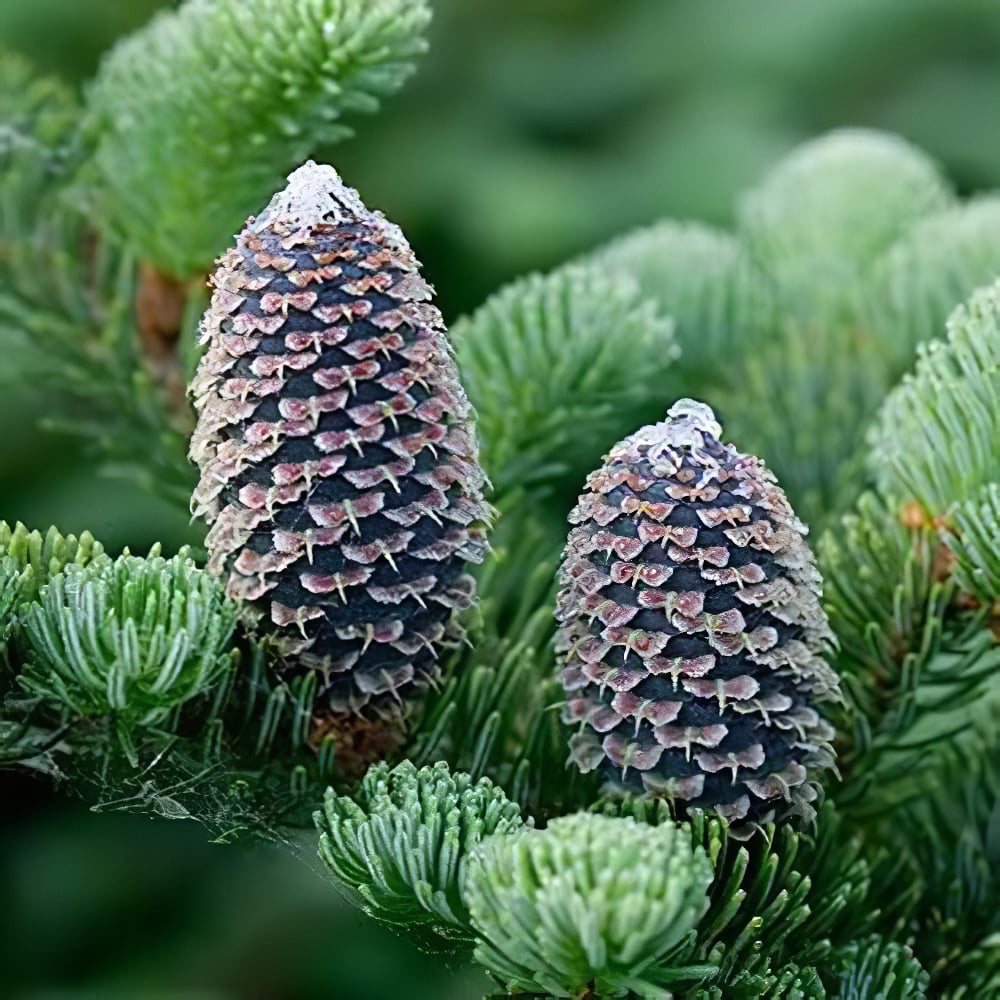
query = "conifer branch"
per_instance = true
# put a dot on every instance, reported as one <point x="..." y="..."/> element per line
<point x="67" y="325"/>
<point x="879" y="968"/>
<point x="952" y="858"/>
<point x="42" y="254"/>
<point x="128" y="680"/>
<point x="548" y="362"/>
<point x="937" y="263"/>
<point x="937" y="440"/>
<point x="121" y="678"/>
<point x="973" y="542"/>
<point x="703" y="280"/>
<point x="591" y="902"/>
<point x="826" y="212"/>
<point x="236" y="89"/>
<point x="909" y="585"/>
<point x="399" y="844"/>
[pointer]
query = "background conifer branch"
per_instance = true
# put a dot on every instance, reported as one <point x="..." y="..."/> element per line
<point x="245" y="90"/>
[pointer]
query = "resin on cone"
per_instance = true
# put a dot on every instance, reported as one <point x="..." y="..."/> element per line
<point x="691" y="629"/>
<point x="339" y="468"/>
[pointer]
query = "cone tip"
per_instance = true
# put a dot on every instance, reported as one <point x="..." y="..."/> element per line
<point x="315" y="194"/>
<point x="697" y="414"/>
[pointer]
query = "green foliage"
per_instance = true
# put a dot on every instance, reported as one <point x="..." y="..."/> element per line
<point x="38" y="111"/>
<point x="789" y="983"/>
<point x="812" y="372"/>
<point x="918" y="658"/>
<point x="240" y="89"/>
<point x="121" y="681"/>
<point x="698" y="276"/>
<point x="782" y="898"/>
<point x="494" y="708"/>
<point x="132" y="639"/>
<point x="826" y="212"/>
<point x="100" y="390"/>
<point x="910" y="593"/>
<point x="802" y="400"/>
<point x="67" y="326"/>
<point x="976" y="972"/>
<point x="886" y="610"/>
<point x="937" y="263"/>
<point x="397" y="846"/>
<point x="35" y="558"/>
<point x="973" y="540"/>
<point x="46" y="275"/>
<point x="793" y="329"/>
<point x="37" y="150"/>
<point x="801" y="390"/>
<point x="913" y="657"/>
<point x="879" y="586"/>
<point x="120" y="677"/>
<point x="231" y="759"/>
<point x="780" y="903"/>
<point x="216" y="89"/>
<point x="918" y="673"/>
<point x="953" y="849"/>
<point x="590" y="900"/>
<point x="937" y="439"/>
<point x="496" y="714"/>
<point x="558" y="366"/>
<point x="10" y="595"/>
<point x="28" y="560"/>
<point x="877" y="969"/>
<point x="574" y="120"/>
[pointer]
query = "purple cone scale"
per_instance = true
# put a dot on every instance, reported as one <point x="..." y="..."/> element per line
<point x="339" y="467"/>
<point x="691" y="630"/>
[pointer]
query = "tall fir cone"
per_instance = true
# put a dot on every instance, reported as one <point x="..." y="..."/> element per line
<point x="339" y="467"/>
<point x="691" y="627"/>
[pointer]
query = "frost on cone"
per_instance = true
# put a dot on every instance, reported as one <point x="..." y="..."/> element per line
<point x="339" y="469"/>
<point x="691" y="627"/>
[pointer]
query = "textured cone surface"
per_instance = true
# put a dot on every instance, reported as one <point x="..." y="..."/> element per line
<point x="691" y="627"/>
<point x="339" y="470"/>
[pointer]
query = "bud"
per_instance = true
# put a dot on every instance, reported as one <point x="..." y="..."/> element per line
<point x="691" y="627"/>
<point x="339" y="468"/>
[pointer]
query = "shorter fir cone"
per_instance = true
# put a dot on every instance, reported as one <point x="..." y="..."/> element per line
<point x="339" y="468"/>
<point x="691" y="627"/>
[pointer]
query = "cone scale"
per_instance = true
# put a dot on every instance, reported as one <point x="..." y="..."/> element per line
<point x="690" y="627"/>
<point x="339" y="468"/>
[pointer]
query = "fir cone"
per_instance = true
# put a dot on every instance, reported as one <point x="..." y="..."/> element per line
<point x="339" y="468"/>
<point x="692" y="629"/>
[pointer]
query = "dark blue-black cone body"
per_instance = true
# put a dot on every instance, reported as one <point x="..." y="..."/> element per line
<point x="691" y="628"/>
<point x="339" y="467"/>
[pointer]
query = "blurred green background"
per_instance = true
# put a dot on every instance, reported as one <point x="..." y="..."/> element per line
<point x="533" y="130"/>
